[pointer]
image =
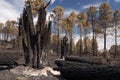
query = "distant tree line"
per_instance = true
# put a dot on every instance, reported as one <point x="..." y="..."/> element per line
<point x="96" y="20"/>
<point x="8" y="32"/>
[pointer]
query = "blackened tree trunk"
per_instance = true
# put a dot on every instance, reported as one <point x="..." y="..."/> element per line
<point x="58" y="42"/>
<point x="115" y="40"/>
<point x="93" y="42"/>
<point x="81" y="47"/>
<point x="105" y="40"/>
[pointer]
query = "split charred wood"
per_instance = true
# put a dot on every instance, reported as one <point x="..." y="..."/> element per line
<point x="74" y="70"/>
<point x="77" y="73"/>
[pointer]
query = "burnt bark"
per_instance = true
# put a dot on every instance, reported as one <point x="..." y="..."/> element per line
<point x="85" y="71"/>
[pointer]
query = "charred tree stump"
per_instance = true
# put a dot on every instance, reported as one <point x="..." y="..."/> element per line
<point x="34" y="38"/>
<point x="64" y="47"/>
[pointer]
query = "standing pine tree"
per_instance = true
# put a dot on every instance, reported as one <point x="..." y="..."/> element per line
<point x="72" y="21"/>
<point x="86" y="28"/>
<point x="81" y="18"/>
<point x="59" y="12"/>
<point x="105" y="16"/>
<point x="92" y="18"/>
<point x="116" y="19"/>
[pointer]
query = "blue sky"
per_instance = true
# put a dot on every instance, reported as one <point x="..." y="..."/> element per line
<point x="82" y="5"/>
<point x="11" y="9"/>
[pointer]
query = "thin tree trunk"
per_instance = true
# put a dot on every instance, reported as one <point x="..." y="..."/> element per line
<point x="66" y="50"/>
<point x="58" y="46"/>
<point x="93" y="43"/>
<point x="115" y="41"/>
<point x="96" y="49"/>
<point x="71" y="44"/>
<point x="85" y="49"/>
<point x="80" y="40"/>
<point x="105" y="40"/>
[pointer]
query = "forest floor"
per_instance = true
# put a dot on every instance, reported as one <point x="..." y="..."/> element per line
<point x="21" y="72"/>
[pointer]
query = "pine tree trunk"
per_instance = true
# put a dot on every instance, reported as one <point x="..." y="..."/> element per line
<point x="71" y="44"/>
<point x="85" y="42"/>
<point x="96" y="47"/>
<point x="80" y="41"/>
<point x="58" y="46"/>
<point x="93" y="43"/>
<point x="105" y="40"/>
<point x="115" y="41"/>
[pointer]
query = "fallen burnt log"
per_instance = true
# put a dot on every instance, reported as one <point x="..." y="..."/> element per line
<point x="10" y="57"/>
<point x="7" y="62"/>
<point x="90" y="60"/>
<point x="62" y="63"/>
<point x="84" y="71"/>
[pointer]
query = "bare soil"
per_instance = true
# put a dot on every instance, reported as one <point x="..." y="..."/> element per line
<point x="8" y="60"/>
